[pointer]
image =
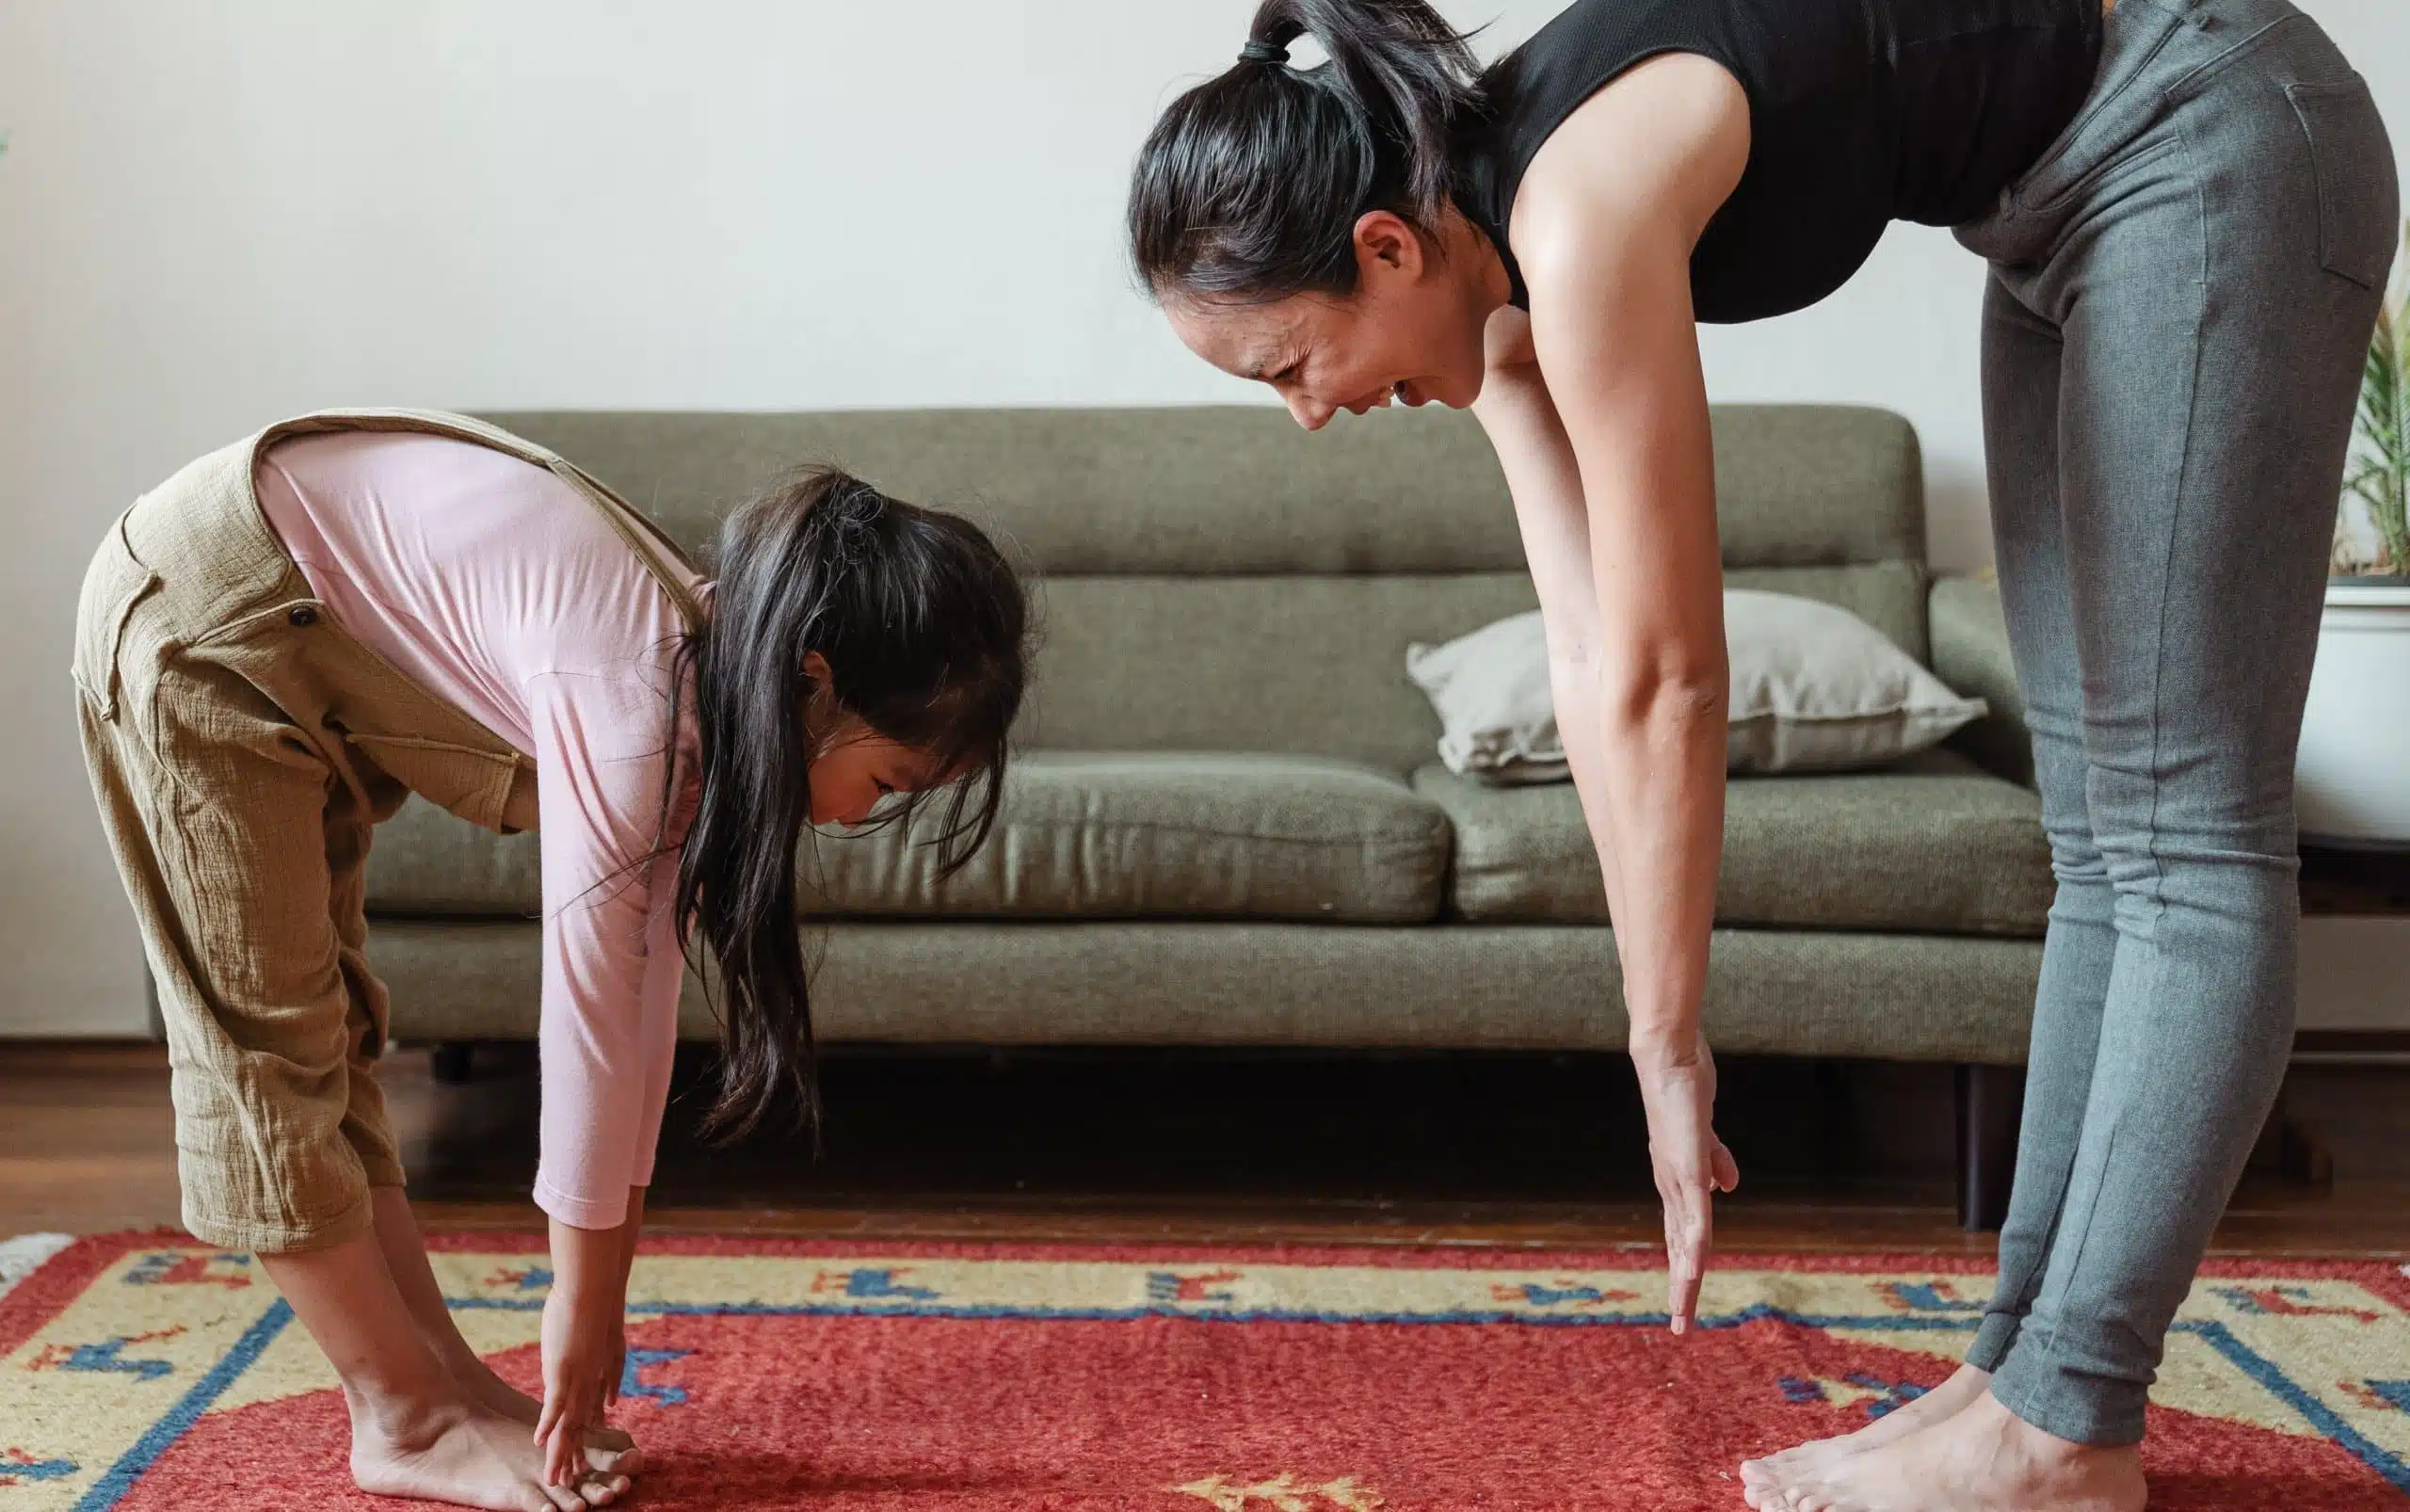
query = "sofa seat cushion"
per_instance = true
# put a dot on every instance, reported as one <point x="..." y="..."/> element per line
<point x="1081" y="836"/>
<point x="1139" y="835"/>
<point x="1930" y="844"/>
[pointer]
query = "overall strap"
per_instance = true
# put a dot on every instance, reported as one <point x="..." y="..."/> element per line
<point x="650" y="543"/>
<point x="661" y="556"/>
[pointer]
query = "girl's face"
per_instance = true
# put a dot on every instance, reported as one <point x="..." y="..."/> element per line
<point x="1412" y="329"/>
<point x="857" y="769"/>
<point x="854" y="768"/>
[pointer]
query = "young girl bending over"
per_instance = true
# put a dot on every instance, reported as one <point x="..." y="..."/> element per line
<point x="288" y="636"/>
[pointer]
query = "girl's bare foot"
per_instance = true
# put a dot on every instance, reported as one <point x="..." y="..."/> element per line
<point x="610" y="1450"/>
<point x="1762" y="1480"/>
<point x="466" y="1454"/>
<point x="1983" y="1458"/>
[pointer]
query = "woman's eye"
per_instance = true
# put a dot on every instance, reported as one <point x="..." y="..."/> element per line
<point x="884" y="790"/>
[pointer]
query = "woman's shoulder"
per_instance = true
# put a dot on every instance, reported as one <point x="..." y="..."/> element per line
<point x="1646" y="164"/>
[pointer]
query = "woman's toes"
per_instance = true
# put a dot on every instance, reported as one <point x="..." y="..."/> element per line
<point x="601" y="1491"/>
<point x="564" y="1499"/>
<point x="609" y="1462"/>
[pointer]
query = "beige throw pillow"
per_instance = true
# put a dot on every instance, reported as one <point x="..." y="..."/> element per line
<point x="1814" y="690"/>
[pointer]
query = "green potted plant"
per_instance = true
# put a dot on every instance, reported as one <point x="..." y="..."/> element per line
<point x="2353" y="782"/>
<point x="2372" y="533"/>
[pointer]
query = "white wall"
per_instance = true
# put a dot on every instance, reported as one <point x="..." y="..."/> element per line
<point x="211" y="216"/>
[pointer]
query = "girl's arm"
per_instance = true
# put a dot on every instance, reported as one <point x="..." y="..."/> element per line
<point x="1600" y="413"/>
<point x="628" y="1232"/>
<point x="612" y="972"/>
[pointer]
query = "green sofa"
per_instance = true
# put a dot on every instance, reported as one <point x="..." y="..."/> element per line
<point x="1229" y="826"/>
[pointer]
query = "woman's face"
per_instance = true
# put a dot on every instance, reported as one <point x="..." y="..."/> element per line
<point x="1412" y="329"/>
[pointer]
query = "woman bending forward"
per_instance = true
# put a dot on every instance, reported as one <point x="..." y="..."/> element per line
<point x="2188" y="206"/>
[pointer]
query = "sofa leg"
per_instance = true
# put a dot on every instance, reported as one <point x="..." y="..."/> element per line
<point x="1991" y="1101"/>
<point x="452" y="1064"/>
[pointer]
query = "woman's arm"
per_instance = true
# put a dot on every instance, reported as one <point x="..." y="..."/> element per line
<point x="1603" y="433"/>
<point x="1546" y="482"/>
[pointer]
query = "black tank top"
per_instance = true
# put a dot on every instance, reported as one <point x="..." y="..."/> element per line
<point x="1861" y="112"/>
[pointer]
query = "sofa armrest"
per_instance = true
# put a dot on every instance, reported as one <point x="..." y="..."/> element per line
<point x="1970" y="653"/>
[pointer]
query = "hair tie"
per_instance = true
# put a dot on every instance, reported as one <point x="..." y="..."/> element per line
<point x="1261" y="51"/>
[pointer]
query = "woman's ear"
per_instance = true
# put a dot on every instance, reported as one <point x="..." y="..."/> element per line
<point x="1387" y="248"/>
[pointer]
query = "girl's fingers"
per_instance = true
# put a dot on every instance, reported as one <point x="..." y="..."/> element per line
<point x="564" y="1451"/>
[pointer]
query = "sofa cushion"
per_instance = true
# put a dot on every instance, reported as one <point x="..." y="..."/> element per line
<point x="1932" y="843"/>
<point x="1240" y="982"/>
<point x="1080" y="837"/>
<point x="426" y="863"/>
<point x="1153" y="835"/>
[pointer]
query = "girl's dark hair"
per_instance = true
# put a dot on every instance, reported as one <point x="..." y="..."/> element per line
<point x="1250" y="185"/>
<point x="924" y="629"/>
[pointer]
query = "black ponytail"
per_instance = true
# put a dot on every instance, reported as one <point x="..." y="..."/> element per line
<point x="924" y="627"/>
<point x="1250" y="185"/>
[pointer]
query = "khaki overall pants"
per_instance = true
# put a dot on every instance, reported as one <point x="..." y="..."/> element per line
<point x="243" y="746"/>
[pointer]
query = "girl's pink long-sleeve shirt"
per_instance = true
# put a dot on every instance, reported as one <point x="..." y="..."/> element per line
<point x="498" y="587"/>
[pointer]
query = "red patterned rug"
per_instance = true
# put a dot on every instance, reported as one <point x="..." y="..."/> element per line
<point x="142" y="1371"/>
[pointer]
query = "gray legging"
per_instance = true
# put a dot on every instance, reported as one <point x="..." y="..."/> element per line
<point x="2181" y="297"/>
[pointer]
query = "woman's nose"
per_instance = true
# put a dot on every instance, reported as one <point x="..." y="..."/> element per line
<point x="1311" y="413"/>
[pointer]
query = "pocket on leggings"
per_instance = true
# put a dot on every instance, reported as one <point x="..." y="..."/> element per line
<point x="2350" y="154"/>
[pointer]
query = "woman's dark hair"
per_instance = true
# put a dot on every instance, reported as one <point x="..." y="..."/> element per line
<point x="1250" y="185"/>
<point x="924" y="629"/>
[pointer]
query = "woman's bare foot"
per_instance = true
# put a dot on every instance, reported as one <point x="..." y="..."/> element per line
<point x="1762" y="1480"/>
<point x="1983" y="1458"/>
<point x="463" y="1454"/>
<point x="608" y="1449"/>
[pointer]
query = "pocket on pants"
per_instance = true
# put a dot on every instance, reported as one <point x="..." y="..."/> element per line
<point x="116" y="584"/>
<point x="2352" y="160"/>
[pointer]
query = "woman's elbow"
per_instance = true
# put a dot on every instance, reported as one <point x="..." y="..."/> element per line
<point x="1673" y="693"/>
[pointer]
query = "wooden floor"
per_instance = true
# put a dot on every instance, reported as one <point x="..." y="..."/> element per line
<point x="1192" y="1149"/>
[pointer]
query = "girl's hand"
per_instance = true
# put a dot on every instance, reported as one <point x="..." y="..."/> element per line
<point x="1677" y="1088"/>
<point x="583" y="1349"/>
<point x="584" y="1342"/>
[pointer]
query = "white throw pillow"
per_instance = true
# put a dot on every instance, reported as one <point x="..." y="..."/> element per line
<point x="1496" y="717"/>
<point x="1814" y="690"/>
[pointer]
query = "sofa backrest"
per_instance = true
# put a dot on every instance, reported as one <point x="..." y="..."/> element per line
<point x="1216" y="579"/>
